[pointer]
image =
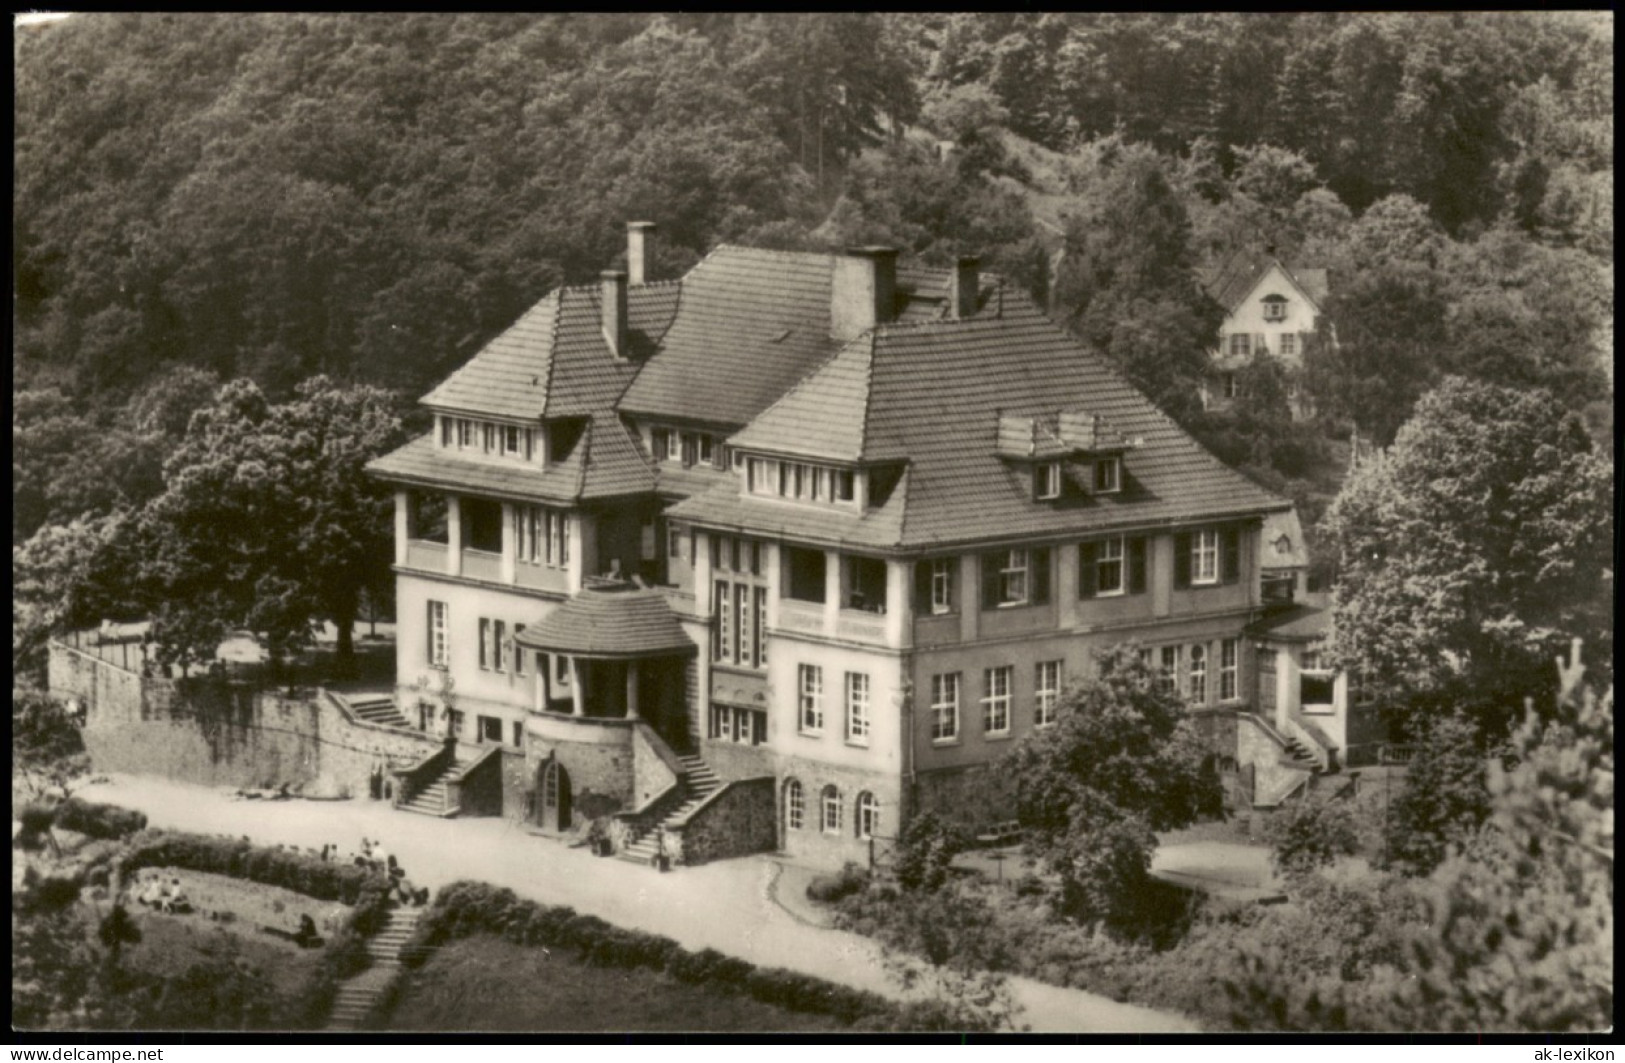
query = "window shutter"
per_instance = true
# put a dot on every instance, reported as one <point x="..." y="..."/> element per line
<point x="990" y="581"/>
<point x="1040" y="575"/>
<point x="1136" y="566"/>
<point x="1182" y="560"/>
<point x="1230" y="555"/>
<point x="1086" y="569"/>
<point x="922" y="587"/>
<point x="428" y="627"/>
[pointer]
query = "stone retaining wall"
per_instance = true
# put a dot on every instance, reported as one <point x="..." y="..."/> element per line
<point x="739" y="821"/>
<point x="204" y="731"/>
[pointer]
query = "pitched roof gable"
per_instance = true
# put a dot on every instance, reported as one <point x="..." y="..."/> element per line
<point x="823" y="416"/>
<point x="1230" y="284"/>
<point x="510" y="376"/>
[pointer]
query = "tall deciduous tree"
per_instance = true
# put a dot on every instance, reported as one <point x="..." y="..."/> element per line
<point x="1128" y="287"/>
<point x="268" y="521"/>
<point x="1478" y="543"/>
<point x="1123" y="760"/>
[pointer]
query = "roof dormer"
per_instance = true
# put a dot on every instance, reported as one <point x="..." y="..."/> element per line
<point x="1071" y="446"/>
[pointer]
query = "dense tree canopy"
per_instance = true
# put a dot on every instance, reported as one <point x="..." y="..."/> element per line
<point x="1122" y="760"/>
<point x="1482" y="541"/>
<point x="268" y="521"/>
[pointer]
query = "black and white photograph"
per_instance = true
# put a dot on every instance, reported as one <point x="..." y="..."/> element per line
<point x="879" y="526"/>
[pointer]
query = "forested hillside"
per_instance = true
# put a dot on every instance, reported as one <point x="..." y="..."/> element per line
<point x="371" y="197"/>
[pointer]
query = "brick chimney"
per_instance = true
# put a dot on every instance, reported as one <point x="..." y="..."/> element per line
<point x="613" y="310"/>
<point x="637" y="262"/>
<point x="864" y="291"/>
<point x="965" y="287"/>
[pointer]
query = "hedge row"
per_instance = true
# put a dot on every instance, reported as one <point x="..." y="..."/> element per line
<point x="99" y="821"/>
<point x="364" y="888"/>
<point x="467" y="908"/>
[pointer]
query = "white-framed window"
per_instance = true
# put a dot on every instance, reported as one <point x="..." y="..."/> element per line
<point x="499" y="653"/>
<point x="448" y="427"/>
<point x="761" y="477"/>
<point x="561" y="670"/>
<point x="1289" y="344"/>
<point x="1013" y="577"/>
<point x="831" y="810"/>
<point x="437" y="634"/>
<point x="1198" y="674"/>
<point x="1274" y="308"/>
<point x="1046" y="692"/>
<point x="843" y="485"/>
<point x="485" y="644"/>
<point x="708" y="449"/>
<point x="1109" y="567"/>
<point x="465" y="432"/>
<point x="795" y="804"/>
<point x="810" y="684"/>
<point x="1168" y="673"/>
<point x="942" y="585"/>
<point x="489" y="437"/>
<point x="519" y="652"/>
<point x="513" y="440"/>
<point x="1241" y="344"/>
<point x="1229" y="655"/>
<point x="1229" y="386"/>
<point x="1108" y="475"/>
<point x="945" y="707"/>
<point x="996" y="700"/>
<point x="868" y="808"/>
<point x="1047" y="480"/>
<point x="1205" y="556"/>
<point x="674" y="542"/>
<point x="857" y="708"/>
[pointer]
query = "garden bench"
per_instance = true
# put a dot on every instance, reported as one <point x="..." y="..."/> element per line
<point x="1006" y="833"/>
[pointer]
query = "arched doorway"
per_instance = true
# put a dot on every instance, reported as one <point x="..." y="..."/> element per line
<point x="555" y="797"/>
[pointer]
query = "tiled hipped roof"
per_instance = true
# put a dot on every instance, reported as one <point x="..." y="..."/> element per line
<point x="933" y="395"/>
<point x="744" y="340"/>
<point x="612" y="624"/>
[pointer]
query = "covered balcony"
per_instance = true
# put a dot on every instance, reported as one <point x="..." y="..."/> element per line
<point x="614" y="654"/>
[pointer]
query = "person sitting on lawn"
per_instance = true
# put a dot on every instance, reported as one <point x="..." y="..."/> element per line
<point x="152" y="893"/>
<point x="379" y="857"/>
<point x="175" y="898"/>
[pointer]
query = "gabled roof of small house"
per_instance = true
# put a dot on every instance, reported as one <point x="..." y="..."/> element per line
<point x="1229" y="285"/>
<point x="610" y="623"/>
<point x="931" y="396"/>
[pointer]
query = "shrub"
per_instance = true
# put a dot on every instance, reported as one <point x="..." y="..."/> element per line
<point x="831" y="889"/>
<point x="287" y="869"/>
<point x="1446" y="797"/>
<point x="99" y="821"/>
<point x="925" y="850"/>
<point x="1311" y="836"/>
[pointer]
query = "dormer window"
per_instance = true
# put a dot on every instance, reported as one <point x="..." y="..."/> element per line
<point x="1274" y="308"/>
<point x="1108" y="475"/>
<point x="1047" y="481"/>
<point x="513" y="440"/>
<point x="843" y="485"/>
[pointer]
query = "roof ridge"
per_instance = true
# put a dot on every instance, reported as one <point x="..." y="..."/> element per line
<point x="552" y="350"/>
<point x="868" y="397"/>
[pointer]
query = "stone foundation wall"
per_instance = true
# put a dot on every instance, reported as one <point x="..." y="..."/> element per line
<point x="741" y="820"/>
<point x="600" y="775"/>
<point x="811" y="844"/>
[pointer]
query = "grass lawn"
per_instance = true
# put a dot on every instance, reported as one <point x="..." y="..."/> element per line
<point x="486" y="983"/>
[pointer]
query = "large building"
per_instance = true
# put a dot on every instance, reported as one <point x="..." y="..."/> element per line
<point x="776" y="554"/>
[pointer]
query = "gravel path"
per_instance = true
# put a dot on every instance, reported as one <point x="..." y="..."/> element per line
<point x="726" y="905"/>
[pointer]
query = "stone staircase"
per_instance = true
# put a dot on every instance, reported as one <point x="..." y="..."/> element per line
<point x="698" y="782"/>
<point x="377" y="708"/>
<point x="1299" y="755"/>
<point x="354" y="1000"/>
<point x="431" y="800"/>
